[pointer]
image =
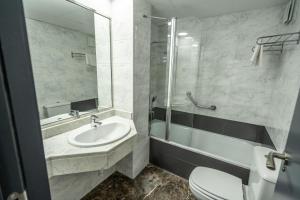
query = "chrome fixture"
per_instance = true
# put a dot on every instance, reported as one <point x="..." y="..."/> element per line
<point x="75" y="113"/>
<point x="94" y="122"/>
<point x="152" y="100"/>
<point x="151" y="112"/>
<point x="172" y="54"/>
<point x="159" y="42"/>
<point x="154" y="17"/>
<point x="270" y="160"/>
<point x="195" y="103"/>
<point x="75" y="55"/>
<point x="277" y="42"/>
<point x="290" y="12"/>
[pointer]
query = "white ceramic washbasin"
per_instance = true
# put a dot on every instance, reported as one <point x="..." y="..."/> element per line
<point x="106" y="133"/>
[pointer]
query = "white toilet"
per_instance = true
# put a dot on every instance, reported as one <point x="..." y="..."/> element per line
<point x="210" y="184"/>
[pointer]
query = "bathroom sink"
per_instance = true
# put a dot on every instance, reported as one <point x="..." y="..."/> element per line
<point x="106" y="133"/>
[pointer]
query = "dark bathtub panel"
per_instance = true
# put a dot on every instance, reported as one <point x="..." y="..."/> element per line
<point x="243" y="130"/>
<point x="182" y="118"/>
<point x="266" y="139"/>
<point x="172" y="164"/>
<point x="181" y="161"/>
<point x="207" y="123"/>
<point x="159" y="113"/>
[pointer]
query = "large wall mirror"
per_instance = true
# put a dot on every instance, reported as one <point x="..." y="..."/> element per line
<point x="70" y="52"/>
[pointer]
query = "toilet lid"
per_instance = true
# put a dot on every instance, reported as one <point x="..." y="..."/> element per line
<point x="219" y="184"/>
<point x="204" y="193"/>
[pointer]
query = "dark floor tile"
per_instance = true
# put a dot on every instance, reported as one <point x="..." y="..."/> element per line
<point x="152" y="184"/>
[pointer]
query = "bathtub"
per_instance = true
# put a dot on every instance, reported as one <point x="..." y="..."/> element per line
<point x="227" y="149"/>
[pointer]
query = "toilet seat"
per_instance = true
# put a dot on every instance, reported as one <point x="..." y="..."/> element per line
<point x="202" y="194"/>
<point x="215" y="185"/>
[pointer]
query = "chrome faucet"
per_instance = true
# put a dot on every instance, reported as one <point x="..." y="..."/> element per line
<point x="94" y="122"/>
<point x="151" y="111"/>
<point x="75" y="113"/>
<point x="270" y="159"/>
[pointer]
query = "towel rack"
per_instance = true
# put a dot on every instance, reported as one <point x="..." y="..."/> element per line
<point x="74" y="55"/>
<point x="277" y="42"/>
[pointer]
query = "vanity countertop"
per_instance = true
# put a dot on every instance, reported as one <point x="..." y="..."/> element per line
<point x="59" y="147"/>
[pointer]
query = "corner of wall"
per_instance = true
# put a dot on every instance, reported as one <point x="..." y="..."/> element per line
<point x="122" y="54"/>
<point x="136" y="81"/>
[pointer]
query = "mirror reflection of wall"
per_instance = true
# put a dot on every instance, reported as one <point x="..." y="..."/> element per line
<point x="62" y="45"/>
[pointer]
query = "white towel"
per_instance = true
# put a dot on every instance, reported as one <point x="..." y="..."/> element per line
<point x="257" y="54"/>
<point x="90" y="60"/>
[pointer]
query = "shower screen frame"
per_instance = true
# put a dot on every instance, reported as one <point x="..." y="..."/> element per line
<point x="171" y="74"/>
<point x="171" y="46"/>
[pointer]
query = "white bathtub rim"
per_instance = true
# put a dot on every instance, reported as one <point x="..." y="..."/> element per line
<point x="236" y="163"/>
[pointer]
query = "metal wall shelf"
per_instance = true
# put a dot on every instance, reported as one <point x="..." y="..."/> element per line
<point x="74" y="55"/>
<point x="278" y="42"/>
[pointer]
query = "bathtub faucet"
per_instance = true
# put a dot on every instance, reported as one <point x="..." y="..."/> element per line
<point x="270" y="159"/>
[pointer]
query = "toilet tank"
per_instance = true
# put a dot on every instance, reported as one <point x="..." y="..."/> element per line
<point x="59" y="107"/>
<point x="262" y="180"/>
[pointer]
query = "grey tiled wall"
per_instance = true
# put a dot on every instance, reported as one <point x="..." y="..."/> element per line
<point x="214" y="64"/>
<point x="122" y="54"/>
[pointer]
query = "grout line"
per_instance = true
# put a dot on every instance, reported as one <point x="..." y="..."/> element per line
<point x="188" y="195"/>
<point x="152" y="191"/>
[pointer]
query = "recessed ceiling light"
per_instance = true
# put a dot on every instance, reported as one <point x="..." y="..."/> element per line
<point x="195" y="45"/>
<point x="182" y="34"/>
<point x="189" y="37"/>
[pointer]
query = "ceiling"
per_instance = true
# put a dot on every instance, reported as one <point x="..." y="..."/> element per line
<point x="207" y="8"/>
<point x="61" y="13"/>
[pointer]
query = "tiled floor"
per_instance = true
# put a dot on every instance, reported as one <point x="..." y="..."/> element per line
<point x="152" y="184"/>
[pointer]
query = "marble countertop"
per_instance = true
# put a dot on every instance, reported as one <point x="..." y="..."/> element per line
<point x="58" y="146"/>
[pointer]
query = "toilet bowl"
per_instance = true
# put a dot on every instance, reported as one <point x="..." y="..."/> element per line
<point x="211" y="184"/>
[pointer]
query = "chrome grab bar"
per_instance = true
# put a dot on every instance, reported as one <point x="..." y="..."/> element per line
<point x="189" y="95"/>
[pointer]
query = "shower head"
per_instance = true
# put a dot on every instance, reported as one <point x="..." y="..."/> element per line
<point x="145" y="16"/>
